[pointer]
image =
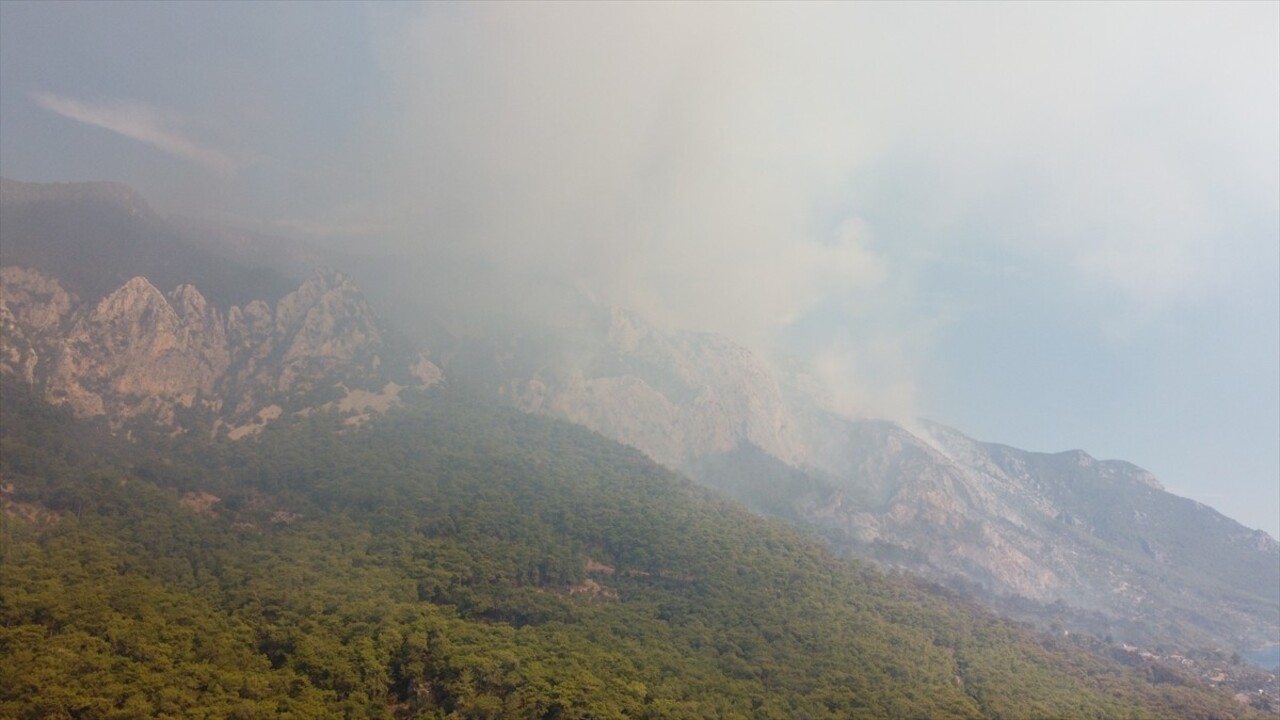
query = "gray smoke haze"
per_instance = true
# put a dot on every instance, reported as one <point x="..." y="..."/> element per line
<point x="657" y="157"/>
<point x="702" y="164"/>
<point x="1051" y="224"/>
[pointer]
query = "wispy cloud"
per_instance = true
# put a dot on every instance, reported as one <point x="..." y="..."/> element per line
<point x="141" y="122"/>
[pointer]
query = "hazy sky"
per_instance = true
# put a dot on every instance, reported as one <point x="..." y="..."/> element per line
<point x="1048" y="225"/>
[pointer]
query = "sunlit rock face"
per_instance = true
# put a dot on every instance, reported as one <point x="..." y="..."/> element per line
<point x="1097" y="544"/>
<point x="675" y="396"/>
<point x="139" y="353"/>
<point x="322" y="328"/>
<point x="40" y="303"/>
<point x="135" y="354"/>
<point x="33" y="308"/>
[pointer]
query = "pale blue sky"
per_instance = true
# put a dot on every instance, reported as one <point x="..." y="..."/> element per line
<point x="1049" y="225"/>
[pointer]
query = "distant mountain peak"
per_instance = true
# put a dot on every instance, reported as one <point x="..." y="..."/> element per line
<point x="15" y="192"/>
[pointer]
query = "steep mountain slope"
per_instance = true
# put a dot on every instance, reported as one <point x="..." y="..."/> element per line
<point x="1097" y="545"/>
<point x="1054" y="538"/>
<point x="677" y="396"/>
<point x="452" y="559"/>
<point x="1100" y="537"/>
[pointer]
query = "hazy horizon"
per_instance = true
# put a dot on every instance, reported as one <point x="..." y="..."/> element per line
<point x="1052" y="226"/>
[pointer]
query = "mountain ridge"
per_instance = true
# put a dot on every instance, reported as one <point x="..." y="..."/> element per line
<point x="139" y="353"/>
<point x="984" y="517"/>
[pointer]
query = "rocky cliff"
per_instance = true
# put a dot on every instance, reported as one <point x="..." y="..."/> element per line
<point x="177" y="361"/>
<point x="677" y="396"/>
<point x="1098" y="545"/>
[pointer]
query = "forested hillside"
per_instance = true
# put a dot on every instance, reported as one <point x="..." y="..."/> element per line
<point x="453" y="559"/>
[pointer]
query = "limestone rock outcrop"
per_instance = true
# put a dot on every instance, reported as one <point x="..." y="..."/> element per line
<point x="33" y="308"/>
<point x="676" y="396"/>
<point x="138" y="353"/>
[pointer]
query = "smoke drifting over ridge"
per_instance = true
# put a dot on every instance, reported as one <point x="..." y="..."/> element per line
<point x="1051" y="225"/>
<point x="682" y="161"/>
<point x="711" y="166"/>
<point x="637" y="153"/>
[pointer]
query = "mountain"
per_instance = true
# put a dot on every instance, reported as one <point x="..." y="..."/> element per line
<point x="453" y="558"/>
<point x="676" y="396"/>
<point x="96" y="236"/>
<point x="1058" y="539"/>
<point x="1097" y="546"/>
<point x="177" y="361"/>
<point x="86" y="324"/>
<point x="1022" y="538"/>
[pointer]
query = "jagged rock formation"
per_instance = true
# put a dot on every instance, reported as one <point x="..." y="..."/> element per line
<point x="677" y="397"/>
<point x="134" y="353"/>
<point x="1098" y="544"/>
<point x="138" y="353"/>
<point x="35" y="308"/>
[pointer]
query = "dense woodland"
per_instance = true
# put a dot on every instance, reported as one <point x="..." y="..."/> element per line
<point x="458" y="560"/>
